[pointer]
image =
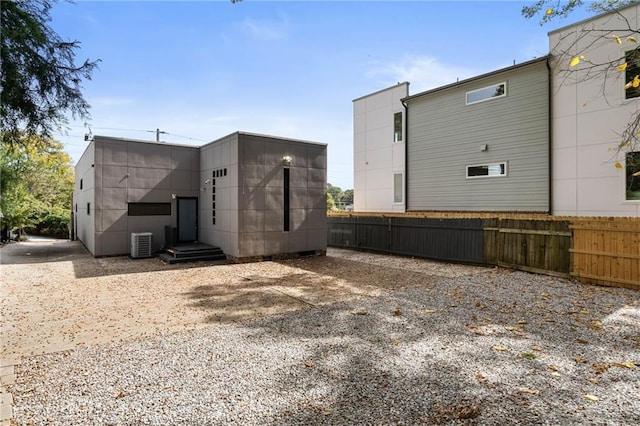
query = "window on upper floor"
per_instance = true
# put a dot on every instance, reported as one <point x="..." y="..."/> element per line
<point x="397" y="127"/>
<point x="487" y="170"/>
<point x="632" y="74"/>
<point x="397" y="187"/>
<point x="486" y="93"/>
<point x="632" y="187"/>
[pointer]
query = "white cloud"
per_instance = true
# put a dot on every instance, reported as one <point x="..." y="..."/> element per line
<point x="423" y="72"/>
<point x="266" y="30"/>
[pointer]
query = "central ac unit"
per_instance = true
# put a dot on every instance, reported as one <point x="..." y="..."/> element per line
<point x="141" y="243"/>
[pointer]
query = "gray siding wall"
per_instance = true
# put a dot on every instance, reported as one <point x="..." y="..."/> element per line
<point x="445" y="135"/>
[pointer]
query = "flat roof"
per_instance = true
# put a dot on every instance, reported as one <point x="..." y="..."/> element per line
<point x="382" y="90"/>
<point x="584" y="21"/>
<point x="468" y="80"/>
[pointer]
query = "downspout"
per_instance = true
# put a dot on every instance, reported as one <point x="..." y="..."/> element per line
<point x="550" y="132"/>
<point x="406" y="154"/>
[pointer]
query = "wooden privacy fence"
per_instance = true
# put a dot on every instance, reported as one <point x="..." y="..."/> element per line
<point x="607" y="251"/>
<point x="598" y="251"/>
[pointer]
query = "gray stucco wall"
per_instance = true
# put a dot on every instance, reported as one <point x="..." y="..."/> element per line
<point x="84" y="198"/>
<point x="138" y="171"/>
<point x="260" y="195"/>
<point x="216" y="157"/>
<point x="445" y="135"/>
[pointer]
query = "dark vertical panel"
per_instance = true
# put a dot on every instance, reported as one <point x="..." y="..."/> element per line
<point x="287" y="193"/>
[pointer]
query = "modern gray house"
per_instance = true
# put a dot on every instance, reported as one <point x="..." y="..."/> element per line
<point x="481" y="144"/>
<point x="254" y="196"/>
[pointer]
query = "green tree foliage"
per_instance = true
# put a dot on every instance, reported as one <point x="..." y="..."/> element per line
<point x="339" y="199"/>
<point x="39" y="79"/>
<point x="331" y="204"/>
<point x="36" y="184"/>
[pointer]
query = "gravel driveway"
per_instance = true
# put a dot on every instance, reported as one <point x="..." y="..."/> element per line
<point x="349" y="338"/>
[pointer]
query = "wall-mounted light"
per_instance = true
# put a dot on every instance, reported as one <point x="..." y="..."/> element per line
<point x="287" y="159"/>
<point x="484" y="147"/>
<point x="173" y="196"/>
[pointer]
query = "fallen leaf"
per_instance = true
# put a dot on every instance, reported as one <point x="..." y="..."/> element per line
<point x="120" y="393"/>
<point x="529" y="391"/>
<point x="584" y="311"/>
<point x="528" y="355"/>
<point x="499" y="348"/>
<point x="397" y="312"/>
<point x="580" y="359"/>
<point x="629" y="365"/>
<point x="600" y="367"/>
<point x="395" y="341"/>
<point x="522" y="322"/>
<point x="511" y="328"/>
<point x="309" y="364"/>
<point x="582" y="341"/>
<point x="360" y="313"/>
<point x="429" y="311"/>
<point x="553" y="367"/>
<point x="556" y="374"/>
<point x="592" y="398"/>
<point x="592" y="380"/>
<point x="536" y="348"/>
<point x="327" y="412"/>
<point x="480" y="376"/>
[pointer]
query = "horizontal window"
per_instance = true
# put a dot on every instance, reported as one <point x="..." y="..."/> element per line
<point x="487" y="170"/>
<point x="486" y="93"/>
<point x="149" y="209"/>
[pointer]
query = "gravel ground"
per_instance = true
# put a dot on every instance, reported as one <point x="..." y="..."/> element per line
<point x="491" y="347"/>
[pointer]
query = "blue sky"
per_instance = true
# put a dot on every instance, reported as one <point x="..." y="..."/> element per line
<point x="203" y="69"/>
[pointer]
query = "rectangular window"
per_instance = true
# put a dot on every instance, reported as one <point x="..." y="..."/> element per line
<point x="632" y="74"/>
<point x="397" y="187"/>
<point x="286" y="200"/>
<point x="487" y="170"/>
<point x="632" y="187"/>
<point x="149" y="209"/>
<point x="397" y="127"/>
<point x="486" y="93"/>
<point x="80" y="183"/>
<point x="88" y="209"/>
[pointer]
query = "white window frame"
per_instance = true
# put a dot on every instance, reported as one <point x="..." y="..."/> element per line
<point x="624" y="181"/>
<point x="506" y="170"/>
<point x="466" y="95"/>
<point x="395" y="139"/>
<point x="401" y="174"/>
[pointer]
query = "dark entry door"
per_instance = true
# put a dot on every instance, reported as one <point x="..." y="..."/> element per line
<point x="187" y="219"/>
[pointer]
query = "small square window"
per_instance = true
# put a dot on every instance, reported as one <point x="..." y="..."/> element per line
<point x="225" y="171"/>
<point x="213" y="221"/>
